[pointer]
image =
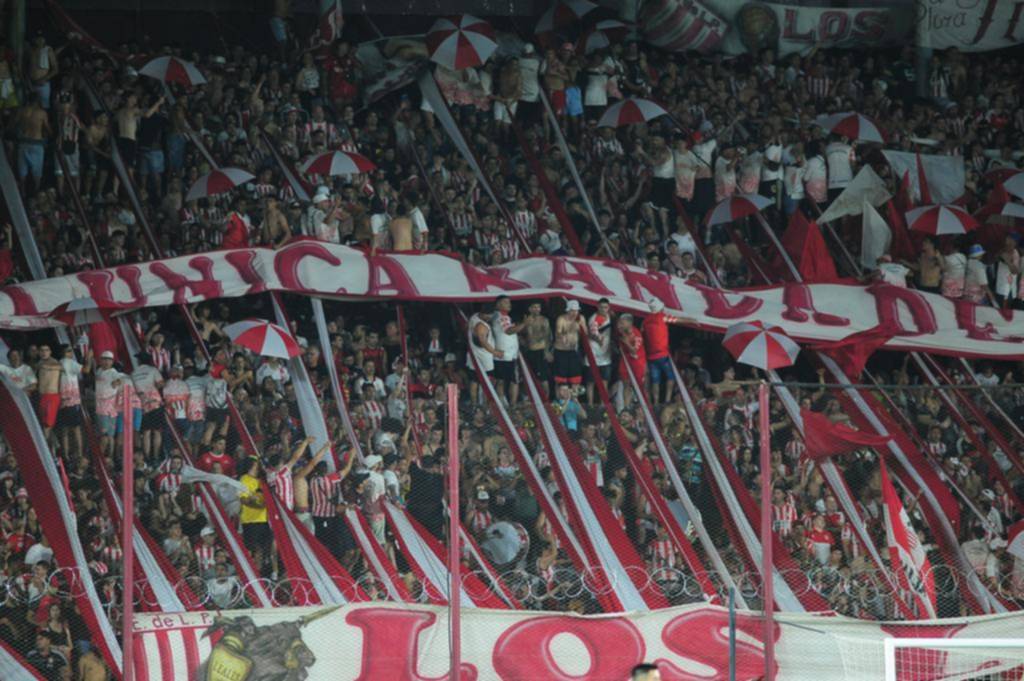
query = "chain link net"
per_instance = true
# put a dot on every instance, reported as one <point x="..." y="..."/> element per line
<point x="579" y="486"/>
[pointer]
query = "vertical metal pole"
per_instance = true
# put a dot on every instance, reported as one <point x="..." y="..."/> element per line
<point x="127" y="520"/>
<point x="766" y="532"/>
<point x="454" y="552"/>
<point x="732" y="634"/>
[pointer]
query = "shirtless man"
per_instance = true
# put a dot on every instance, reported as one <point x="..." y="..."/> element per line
<point x="48" y="372"/>
<point x="128" y="117"/>
<point x="275" y="229"/>
<point x="42" y="69"/>
<point x="33" y="128"/>
<point x="568" y="327"/>
<point x="300" y="485"/>
<point x="96" y="158"/>
<point x="401" y="230"/>
<point x="91" y="666"/>
<point x="537" y="332"/>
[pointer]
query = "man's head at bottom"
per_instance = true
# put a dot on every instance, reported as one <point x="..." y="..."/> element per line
<point x="645" y="672"/>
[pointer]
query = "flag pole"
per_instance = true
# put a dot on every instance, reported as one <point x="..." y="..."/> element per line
<point x="454" y="552"/>
<point x="766" y="533"/>
<point x="127" y="520"/>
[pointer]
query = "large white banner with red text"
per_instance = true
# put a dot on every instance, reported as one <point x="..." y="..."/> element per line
<point x="969" y="25"/>
<point x="368" y="641"/>
<point x="815" y="312"/>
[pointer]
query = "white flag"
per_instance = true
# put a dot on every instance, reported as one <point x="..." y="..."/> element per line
<point x="227" y="489"/>
<point x="866" y="187"/>
<point x="875" y="239"/>
<point x="946" y="174"/>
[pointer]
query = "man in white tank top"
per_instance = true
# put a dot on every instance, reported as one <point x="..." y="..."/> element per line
<point x="481" y="347"/>
<point x="506" y="340"/>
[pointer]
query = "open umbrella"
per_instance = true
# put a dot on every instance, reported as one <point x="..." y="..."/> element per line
<point x="941" y="219"/>
<point x="760" y="345"/>
<point x="263" y="338"/>
<point x="461" y="42"/>
<point x="1015" y="184"/>
<point x="1013" y="210"/>
<point x="337" y="163"/>
<point x="173" y="70"/>
<point x="218" y="182"/>
<point x="563" y="14"/>
<point x="602" y="34"/>
<point x="79" y="312"/>
<point x="736" y="207"/>
<point x="629" y="111"/>
<point x="853" y="125"/>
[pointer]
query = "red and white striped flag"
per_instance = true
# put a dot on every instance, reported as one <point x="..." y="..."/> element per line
<point x="174" y="651"/>
<point x="330" y="23"/>
<point x="909" y="561"/>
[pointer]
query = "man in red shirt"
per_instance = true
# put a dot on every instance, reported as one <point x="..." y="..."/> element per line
<point x="236" y="226"/>
<point x="659" y="366"/>
<point x="218" y="455"/>
<point x="631" y="344"/>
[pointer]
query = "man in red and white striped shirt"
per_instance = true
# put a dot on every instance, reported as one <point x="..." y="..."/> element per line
<point x="206" y="551"/>
<point x="664" y="557"/>
<point x="279" y="475"/>
<point x="170" y="481"/>
<point x="325" y="491"/>
<point x="784" y="512"/>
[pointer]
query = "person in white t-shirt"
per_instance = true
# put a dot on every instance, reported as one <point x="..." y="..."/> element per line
<point x="529" y="69"/>
<point x="176" y="394"/>
<point x="148" y="381"/>
<point x="793" y="179"/>
<point x="19" y="373"/>
<point x="506" y="340"/>
<point x="599" y="333"/>
<point x="816" y="174"/>
<point x="69" y="417"/>
<point x="976" y="287"/>
<point x="840" y="156"/>
<point x="892" y="272"/>
<point x="107" y="386"/>
<point x="274" y="369"/>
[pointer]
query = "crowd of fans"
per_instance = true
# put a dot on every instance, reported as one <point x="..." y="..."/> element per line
<point x="741" y="125"/>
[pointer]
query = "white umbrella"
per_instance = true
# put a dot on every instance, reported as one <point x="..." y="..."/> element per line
<point x="218" y="182"/>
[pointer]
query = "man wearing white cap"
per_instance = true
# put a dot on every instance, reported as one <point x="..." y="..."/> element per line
<point x="108" y="383"/>
<point x="976" y="287"/>
<point x="322" y="216"/>
<point x="568" y="327"/>
<point x="659" y="366"/>
<point x="373" y="496"/>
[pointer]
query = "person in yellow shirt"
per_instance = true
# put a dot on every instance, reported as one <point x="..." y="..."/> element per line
<point x="255" y="529"/>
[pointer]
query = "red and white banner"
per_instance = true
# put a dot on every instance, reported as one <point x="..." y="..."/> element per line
<point x="738" y="27"/>
<point x="410" y="643"/>
<point x="330" y="22"/>
<point x="907" y="555"/>
<point x="815" y="312"/>
<point x="969" y="25"/>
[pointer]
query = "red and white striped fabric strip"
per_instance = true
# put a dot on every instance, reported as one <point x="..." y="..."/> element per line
<point x="28" y="443"/>
<point x="377" y="560"/>
<point x="608" y="545"/>
<point x="13" y="666"/>
<point x="172" y="653"/>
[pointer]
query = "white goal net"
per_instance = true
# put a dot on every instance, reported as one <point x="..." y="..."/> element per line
<point x="941" y="659"/>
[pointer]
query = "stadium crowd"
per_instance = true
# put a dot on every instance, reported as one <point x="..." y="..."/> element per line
<point x="741" y="125"/>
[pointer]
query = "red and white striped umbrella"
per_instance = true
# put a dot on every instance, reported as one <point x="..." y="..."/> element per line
<point x="218" y="182"/>
<point x="602" y="34"/>
<point x="461" y="42"/>
<point x="630" y="111"/>
<point x="263" y="338"/>
<point x="173" y="70"/>
<point x="1015" y="184"/>
<point x="737" y="207"/>
<point x="563" y="14"/>
<point x="79" y="312"/>
<point x="760" y="345"/>
<point x="941" y="219"/>
<point x="1012" y="210"/>
<point x="337" y="163"/>
<point x="852" y="125"/>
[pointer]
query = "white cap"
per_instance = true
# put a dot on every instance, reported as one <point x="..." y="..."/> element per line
<point x="106" y="354"/>
<point x="482" y="495"/>
<point x="322" y="194"/>
<point x="528" y="48"/>
<point x="572" y="305"/>
<point x="819" y="505"/>
<point x="997" y="543"/>
<point x="206" y="531"/>
<point x="656" y="305"/>
<point x="450" y="357"/>
<point x="988" y="494"/>
<point x="373" y="460"/>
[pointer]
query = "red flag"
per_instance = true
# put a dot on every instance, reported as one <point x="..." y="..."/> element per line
<point x="907" y="556"/>
<point x="904" y="198"/>
<point x="806" y="246"/>
<point x="902" y="243"/>
<point x="824" y="438"/>
<point x="922" y="182"/>
<point x="852" y="352"/>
